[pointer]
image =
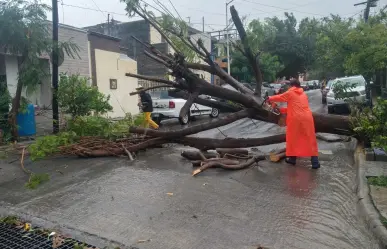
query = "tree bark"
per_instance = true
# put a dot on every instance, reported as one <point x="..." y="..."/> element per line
<point x="247" y="50"/>
<point x="15" y="110"/>
<point x="193" y="129"/>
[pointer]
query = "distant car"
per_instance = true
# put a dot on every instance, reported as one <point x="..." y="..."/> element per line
<point x="324" y="92"/>
<point x="284" y="88"/>
<point x="276" y="87"/>
<point x="357" y="92"/>
<point x="305" y="85"/>
<point x="267" y="90"/>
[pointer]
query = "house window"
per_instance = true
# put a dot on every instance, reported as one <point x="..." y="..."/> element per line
<point x="113" y="84"/>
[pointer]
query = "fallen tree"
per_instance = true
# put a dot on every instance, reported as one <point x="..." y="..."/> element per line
<point x="240" y="104"/>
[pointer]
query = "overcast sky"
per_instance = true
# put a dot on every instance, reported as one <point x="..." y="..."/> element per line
<point x="82" y="13"/>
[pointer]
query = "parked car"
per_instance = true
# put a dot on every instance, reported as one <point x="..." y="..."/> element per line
<point x="166" y="107"/>
<point x="284" y="88"/>
<point x="324" y="92"/>
<point x="305" y="85"/>
<point x="267" y="90"/>
<point x="276" y="87"/>
<point x="357" y="92"/>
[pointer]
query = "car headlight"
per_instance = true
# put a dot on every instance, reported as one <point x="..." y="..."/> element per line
<point x="331" y="94"/>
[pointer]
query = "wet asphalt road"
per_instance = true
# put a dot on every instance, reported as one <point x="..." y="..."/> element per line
<point x="157" y="201"/>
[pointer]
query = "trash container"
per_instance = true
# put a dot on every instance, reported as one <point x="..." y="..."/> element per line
<point x="26" y="123"/>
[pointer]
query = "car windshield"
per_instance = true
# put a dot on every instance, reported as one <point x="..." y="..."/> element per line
<point x="160" y="95"/>
<point x="354" y="82"/>
<point x="330" y="83"/>
<point x="276" y="86"/>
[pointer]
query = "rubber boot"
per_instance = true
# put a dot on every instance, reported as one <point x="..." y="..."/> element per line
<point x="315" y="162"/>
<point x="291" y="160"/>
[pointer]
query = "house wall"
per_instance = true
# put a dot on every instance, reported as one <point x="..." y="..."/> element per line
<point x="11" y="70"/>
<point x="135" y="50"/>
<point x="206" y="38"/>
<point x="77" y="65"/>
<point x="113" y="65"/>
<point x="154" y="35"/>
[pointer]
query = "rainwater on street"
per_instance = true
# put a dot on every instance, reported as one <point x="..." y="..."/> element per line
<point x="155" y="200"/>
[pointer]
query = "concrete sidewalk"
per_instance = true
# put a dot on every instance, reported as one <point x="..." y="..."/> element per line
<point x="372" y="199"/>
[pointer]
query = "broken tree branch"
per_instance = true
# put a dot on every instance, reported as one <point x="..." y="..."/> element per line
<point x="247" y="50"/>
<point x="147" y="89"/>
<point x="192" y="129"/>
<point x="221" y="106"/>
<point x="219" y="164"/>
<point x="187" y="105"/>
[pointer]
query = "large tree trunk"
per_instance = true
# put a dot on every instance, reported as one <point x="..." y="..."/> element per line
<point x="15" y="110"/>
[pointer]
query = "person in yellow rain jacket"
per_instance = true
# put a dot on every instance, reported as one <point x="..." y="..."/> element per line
<point x="147" y="108"/>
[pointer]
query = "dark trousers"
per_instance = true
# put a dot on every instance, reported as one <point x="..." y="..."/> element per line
<point x="313" y="159"/>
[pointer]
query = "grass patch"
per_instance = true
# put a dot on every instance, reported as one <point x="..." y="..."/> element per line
<point x="37" y="179"/>
<point x="10" y="220"/>
<point x="378" y="181"/>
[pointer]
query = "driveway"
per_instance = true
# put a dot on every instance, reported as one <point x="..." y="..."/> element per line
<point x="155" y="200"/>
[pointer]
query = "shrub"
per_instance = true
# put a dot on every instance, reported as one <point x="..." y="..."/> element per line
<point x="372" y="123"/>
<point x="75" y="97"/>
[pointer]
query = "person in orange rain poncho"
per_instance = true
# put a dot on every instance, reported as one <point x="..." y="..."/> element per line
<point x="300" y="133"/>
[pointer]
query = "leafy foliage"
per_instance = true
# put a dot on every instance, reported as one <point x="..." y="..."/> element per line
<point x="75" y="97"/>
<point x="371" y="123"/>
<point x="83" y="126"/>
<point x="5" y="102"/>
<point x="378" y="181"/>
<point x="370" y="58"/>
<point x="49" y="145"/>
<point x="24" y="31"/>
<point x="37" y="179"/>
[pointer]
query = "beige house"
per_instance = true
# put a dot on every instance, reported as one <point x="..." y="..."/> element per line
<point x="108" y="66"/>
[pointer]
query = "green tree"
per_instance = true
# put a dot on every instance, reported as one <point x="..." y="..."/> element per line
<point x="75" y="97"/>
<point x="24" y="32"/>
<point x="331" y="48"/>
<point x="369" y="51"/>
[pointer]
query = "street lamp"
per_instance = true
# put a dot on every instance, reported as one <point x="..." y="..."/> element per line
<point x="228" y="44"/>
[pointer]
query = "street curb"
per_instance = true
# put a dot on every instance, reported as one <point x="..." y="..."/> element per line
<point x="366" y="207"/>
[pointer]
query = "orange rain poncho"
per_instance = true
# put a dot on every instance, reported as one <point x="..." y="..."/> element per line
<point x="300" y="133"/>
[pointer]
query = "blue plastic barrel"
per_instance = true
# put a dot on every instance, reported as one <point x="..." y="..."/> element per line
<point x="26" y="123"/>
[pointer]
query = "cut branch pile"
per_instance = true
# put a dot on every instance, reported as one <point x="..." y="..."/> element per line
<point x="227" y="158"/>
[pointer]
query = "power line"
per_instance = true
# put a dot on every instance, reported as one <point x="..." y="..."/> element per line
<point x="175" y="9"/>
<point x="280" y="8"/>
<point x="98" y="8"/>
<point x="85" y="8"/>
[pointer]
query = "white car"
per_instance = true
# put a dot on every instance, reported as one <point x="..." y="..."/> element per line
<point x="166" y="107"/>
<point x="356" y="93"/>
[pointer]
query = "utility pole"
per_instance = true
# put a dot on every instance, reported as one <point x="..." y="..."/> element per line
<point x="227" y="38"/>
<point x="55" y="68"/>
<point x="108" y="23"/>
<point x="203" y="23"/>
<point x="369" y="4"/>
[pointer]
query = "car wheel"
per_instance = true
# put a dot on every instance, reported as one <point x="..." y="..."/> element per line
<point x="331" y="110"/>
<point x="184" y="120"/>
<point x="157" y="121"/>
<point x="214" y="113"/>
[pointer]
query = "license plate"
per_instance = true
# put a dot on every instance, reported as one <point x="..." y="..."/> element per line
<point x="156" y="115"/>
